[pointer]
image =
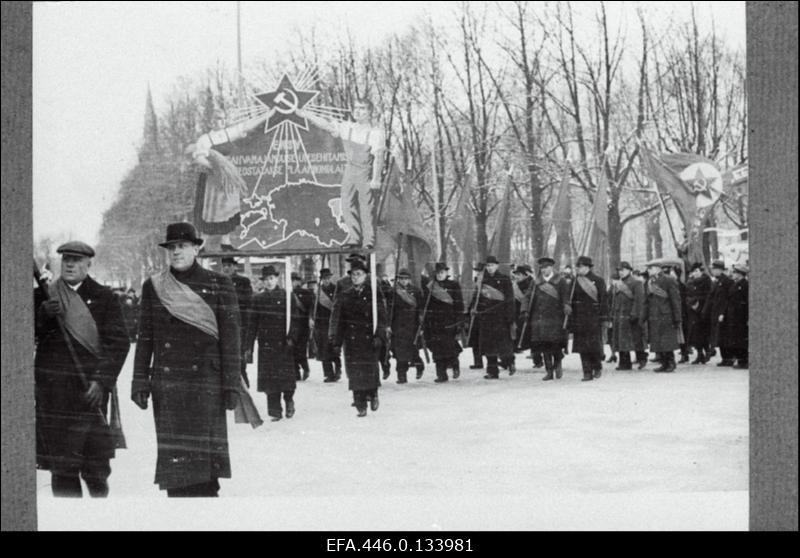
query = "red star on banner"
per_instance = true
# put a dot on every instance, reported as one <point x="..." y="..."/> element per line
<point x="286" y="100"/>
<point x="700" y="184"/>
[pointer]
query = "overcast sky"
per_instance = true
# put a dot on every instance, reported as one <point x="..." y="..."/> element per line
<point x="93" y="61"/>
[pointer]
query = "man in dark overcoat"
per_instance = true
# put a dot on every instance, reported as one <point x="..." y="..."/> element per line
<point x="352" y="328"/>
<point x="675" y="271"/>
<point x="443" y="318"/>
<point x="543" y="308"/>
<point x="331" y="362"/>
<point x="735" y="321"/>
<point x="277" y="372"/>
<point x="588" y="313"/>
<point x="663" y="315"/>
<point x="303" y="305"/>
<point x="72" y="432"/>
<point x="472" y="332"/>
<point x="715" y="308"/>
<point x="495" y="318"/>
<point x="627" y="314"/>
<point x="405" y="308"/>
<point x="188" y="359"/>
<point x="244" y="298"/>
<point x="698" y="288"/>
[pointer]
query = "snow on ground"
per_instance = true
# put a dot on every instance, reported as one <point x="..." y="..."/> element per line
<point x="632" y="450"/>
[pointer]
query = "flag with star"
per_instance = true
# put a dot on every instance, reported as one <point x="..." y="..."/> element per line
<point x="694" y="183"/>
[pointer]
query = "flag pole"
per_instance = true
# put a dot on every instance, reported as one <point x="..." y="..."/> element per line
<point x="660" y="196"/>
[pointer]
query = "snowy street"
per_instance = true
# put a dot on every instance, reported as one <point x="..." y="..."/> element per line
<point x="631" y="450"/>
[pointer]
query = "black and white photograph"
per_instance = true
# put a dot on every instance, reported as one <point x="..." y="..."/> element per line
<point x="421" y="267"/>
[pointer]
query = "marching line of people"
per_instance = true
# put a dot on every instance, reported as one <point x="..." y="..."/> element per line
<point x="197" y="330"/>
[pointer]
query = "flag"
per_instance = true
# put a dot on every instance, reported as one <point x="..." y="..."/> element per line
<point x="462" y="230"/>
<point x="399" y="215"/>
<point x="500" y="245"/>
<point x="597" y="243"/>
<point x="561" y="218"/>
<point x="694" y="184"/>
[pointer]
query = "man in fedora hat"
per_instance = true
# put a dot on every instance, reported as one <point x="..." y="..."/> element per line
<point x="277" y="372"/>
<point x="188" y="359"/>
<point x="331" y="362"/>
<point x="442" y="321"/>
<point x="627" y="315"/>
<point x="698" y="288"/>
<point x="302" y="305"/>
<point x="405" y="308"/>
<point x="77" y="316"/>
<point x="351" y="327"/>
<point x="735" y="320"/>
<point x="543" y="309"/>
<point x="244" y="297"/>
<point x="588" y="312"/>
<point x="663" y="315"/>
<point x="715" y="308"/>
<point x="522" y="280"/>
<point x="494" y="319"/>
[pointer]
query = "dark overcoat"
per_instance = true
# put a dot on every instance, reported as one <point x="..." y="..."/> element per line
<point x="244" y="298"/>
<point x="443" y="319"/>
<point x="521" y="298"/>
<point x="276" y="370"/>
<point x="64" y="423"/>
<point x="735" y="327"/>
<point x="351" y="324"/>
<point x="187" y="371"/>
<point x="697" y="293"/>
<point x="627" y="315"/>
<point x="546" y="317"/>
<point x="408" y="304"/>
<point x="302" y="306"/>
<point x="663" y="313"/>
<point x="588" y="315"/>
<point x="495" y="316"/>
<point x="715" y="307"/>
<point x="323" y="307"/>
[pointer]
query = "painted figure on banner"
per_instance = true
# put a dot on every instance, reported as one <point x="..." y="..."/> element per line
<point x="188" y="360"/>
<point x="81" y="345"/>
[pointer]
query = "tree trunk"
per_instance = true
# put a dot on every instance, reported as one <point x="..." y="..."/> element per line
<point x="481" y="240"/>
<point x="614" y="235"/>
<point x="538" y="247"/>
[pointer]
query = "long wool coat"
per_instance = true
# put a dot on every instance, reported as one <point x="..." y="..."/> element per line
<point x="735" y="327"/>
<point x="627" y="315"/>
<point x="443" y="318"/>
<point x="546" y="317"/>
<point x="495" y="317"/>
<point x="351" y="324"/>
<point x="324" y="306"/>
<point x="276" y="370"/>
<point x="715" y="307"/>
<point x="187" y="371"/>
<point x="587" y="316"/>
<point x="663" y="313"/>
<point x="408" y="304"/>
<point x="697" y="292"/>
<point x="64" y="423"/>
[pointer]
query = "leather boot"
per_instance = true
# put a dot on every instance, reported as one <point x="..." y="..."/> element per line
<point x="557" y="362"/>
<point x="441" y="372"/>
<point x="587" y="376"/>
<point x="700" y="358"/>
<point x="402" y="376"/>
<point x="548" y="366"/>
<point x="456" y="369"/>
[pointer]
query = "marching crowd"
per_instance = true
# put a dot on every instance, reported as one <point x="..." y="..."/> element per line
<point x="196" y="331"/>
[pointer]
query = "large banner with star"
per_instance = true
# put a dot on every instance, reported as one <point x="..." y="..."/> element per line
<point x="289" y="177"/>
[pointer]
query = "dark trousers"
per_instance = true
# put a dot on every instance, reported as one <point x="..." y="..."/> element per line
<point x="666" y="357"/>
<point x="739" y="354"/>
<point x="625" y="359"/>
<point x="641" y="356"/>
<point x="332" y="368"/>
<point x="402" y="371"/>
<point x="538" y="358"/>
<point x="477" y="359"/>
<point x="361" y="396"/>
<point x="590" y="362"/>
<point x="95" y="473"/>
<point x="507" y="360"/>
<point x="726" y="353"/>
<point x="441" y="369"/>
<point x="274" y="408"/>
<point x="492" y="367"/>
<point x="208" y="489"/>
<point x="383" y="356"/>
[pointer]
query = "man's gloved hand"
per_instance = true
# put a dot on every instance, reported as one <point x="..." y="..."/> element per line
<point x="52" y="308"/>
<point x="567" y="309"/>
<point x="721" y="318"/>
<point x="289" y="342"/>
<point x="248" y="356"/>
<point x="140" y="398"/>
<point x="94" y="395"/>
<point x="231" y="399"/>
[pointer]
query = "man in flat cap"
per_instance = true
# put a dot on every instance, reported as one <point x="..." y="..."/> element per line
<point x="277" y="372"/>
<point x="442" y="321"/>
<point x="627" y="315"/>
<point x="588" y="312"/>
<point x="302" y="306"/>
<point x="405" y="306"/>
<point x="663" y="315"/>
<point x="78" y="315"/>
<point x="715" y="308"/>
<point x="735" y="320"/>
<point x="698" y="288"/>
<point x="244" y="297"/>
<point x="495" y="318"/>
<point x="326" y="293"/>
<point x="188" y="359"/>
<point x="543" y="309"/>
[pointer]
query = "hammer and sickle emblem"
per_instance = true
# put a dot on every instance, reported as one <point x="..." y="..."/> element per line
<point x="286" y="102"/>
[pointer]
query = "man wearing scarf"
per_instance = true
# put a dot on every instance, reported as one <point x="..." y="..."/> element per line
<point x="74" y="439"/>
<point x="588" y="311"/>
<point x="405" y="308"/>
<point x="331" y="363"/>
<point x="442" y="321"/>
<point x="627" y="308"/>
<point x="663" y="314"/>
<point x="735" y="320"/>
<point x="188" y="359"/>
<point x="494" y="319"/>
